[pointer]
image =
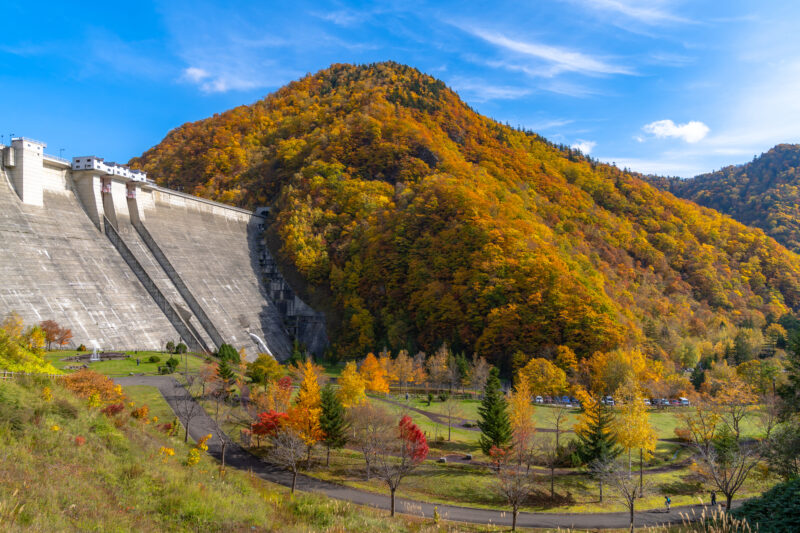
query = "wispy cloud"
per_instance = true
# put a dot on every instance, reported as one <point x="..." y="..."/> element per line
<point x="556" y="59"/>
<point x="647" y="11"/>
<point x="691" y="132"/>
<point x="481" y="91"/>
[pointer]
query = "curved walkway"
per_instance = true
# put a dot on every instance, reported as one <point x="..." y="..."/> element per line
<point x="237" y="457"/>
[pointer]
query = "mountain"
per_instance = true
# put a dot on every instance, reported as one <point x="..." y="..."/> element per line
<point x="418" y="221"/>
<point x="764" y="193"/>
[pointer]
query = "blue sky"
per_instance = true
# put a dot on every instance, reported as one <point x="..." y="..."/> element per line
<point x="674" y="88"/>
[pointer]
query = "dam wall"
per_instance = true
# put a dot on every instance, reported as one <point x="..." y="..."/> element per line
<point x="179" y="267"/>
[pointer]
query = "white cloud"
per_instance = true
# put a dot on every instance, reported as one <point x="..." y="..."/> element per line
<point x="195" y="74"/>
<point x="584" y="146"/>
<point x="557" y="58"/>
<point x="691" y="132"/>
<point x="646" y="11"/>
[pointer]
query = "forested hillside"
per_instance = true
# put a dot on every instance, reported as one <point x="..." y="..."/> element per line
<point x="424" y="222"/>
<point x="764" y="193"/>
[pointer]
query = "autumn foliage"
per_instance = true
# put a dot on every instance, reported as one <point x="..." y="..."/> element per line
<point x="426" y="222"/>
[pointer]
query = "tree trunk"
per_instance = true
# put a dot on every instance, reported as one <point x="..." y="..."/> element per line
<point x="630" y="466"/>
<point x="294" y="480"/>
<point x="728" y="501"/>
<point x="392" y="490"/>
<point x="552" y="481"/>
<point x="186" y="432"/>
<point x="224" y="445"/>
<point x="641" y="473"/>
<point x="601" y="491"/>
<point x="514" y="519"/>
<point x="631" y="516"/>
<point x="449" y="424"/>
<point x="328" y="457"/>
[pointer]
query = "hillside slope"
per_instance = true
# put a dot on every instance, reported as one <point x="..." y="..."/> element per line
<point x="67" y="466"/>
<point x="424" y="222"/>
<point x="764" y="193"/>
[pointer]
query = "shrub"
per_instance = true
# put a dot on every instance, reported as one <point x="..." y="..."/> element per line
<point x="180" y="348"/>
<point x="154" y="359"/>
<point x="775" y="511"/>
<point x="141" y="413"/>
<point x="86" y="382"/>
<point x="82" y="348"/>
<point x="172" y="362"/>
<point x="113" y="409"/>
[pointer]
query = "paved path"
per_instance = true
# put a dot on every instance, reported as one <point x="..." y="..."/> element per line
<point x="237" y="457"/>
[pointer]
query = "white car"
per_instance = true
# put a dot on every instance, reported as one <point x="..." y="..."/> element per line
<point x="539" y="399"/>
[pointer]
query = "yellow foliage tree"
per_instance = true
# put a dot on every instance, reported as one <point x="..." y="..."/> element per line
<point x="610" y="370"/>
<point x="404" y="368"/>
<point x="304" y="414"/>
<point x="521" y="416"/>
<point x="543" y="377"/>
<point x="374" y="375"/>
<point x="351" y="386"/>
<point x="632" y="425"/>
<point x="308" y="397"/>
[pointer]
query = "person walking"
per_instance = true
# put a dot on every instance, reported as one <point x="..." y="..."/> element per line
<point x="713" y="498"/>
<point x="667" y="501"/>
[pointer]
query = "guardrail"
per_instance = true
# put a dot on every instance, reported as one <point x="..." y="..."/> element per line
<point x="7" y="374"/>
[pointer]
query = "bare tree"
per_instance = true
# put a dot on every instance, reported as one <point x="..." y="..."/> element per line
<point x="549" y="455"/>
<point x="478" y="373"/>
<point x="404" y="449"/>
<point x="768" y="415"/>
<point x="514" y="482"/>
<point x="288" y="450"/>
<point x="370" y="426"/>
<point x="726" y="464"/>
<point x="186" y="407"/>
<point x="452" y="409"/>
<point x="616" y="475"/>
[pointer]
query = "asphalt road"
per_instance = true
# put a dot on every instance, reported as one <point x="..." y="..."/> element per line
<point x="237" y="457"/>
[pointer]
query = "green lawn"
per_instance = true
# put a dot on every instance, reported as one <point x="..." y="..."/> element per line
<point x="152" y="398"/>
<point x="474" y="486"/>
<point x="125" y="367"/>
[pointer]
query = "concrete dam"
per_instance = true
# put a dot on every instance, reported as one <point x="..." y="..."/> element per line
<point x="127" y="264"/>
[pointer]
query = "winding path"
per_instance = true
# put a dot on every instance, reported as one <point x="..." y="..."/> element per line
<point x="237" y="457"/>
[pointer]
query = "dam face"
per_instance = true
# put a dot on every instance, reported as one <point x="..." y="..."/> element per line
<point x="129" y="265"/>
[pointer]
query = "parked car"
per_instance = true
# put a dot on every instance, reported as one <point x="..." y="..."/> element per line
<point x="539" y="399"/>
<point x="608" y="400"/>
<point x="548" y="399"/>
<point x="674" y="403"/>
<point x="684" y="401"/>
<point x="565" y="399"/>
<point x="646" y="401"/>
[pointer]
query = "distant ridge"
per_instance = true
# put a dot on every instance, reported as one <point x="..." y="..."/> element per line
<point x="764" y="193"/>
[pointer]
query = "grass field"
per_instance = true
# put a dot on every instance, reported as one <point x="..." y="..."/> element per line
<point x="125" y="367"/>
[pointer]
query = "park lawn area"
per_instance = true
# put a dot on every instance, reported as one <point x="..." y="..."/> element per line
<point x="152" y="398"/>
<point x="474" y="486"/>
<point x="125" y="367"/>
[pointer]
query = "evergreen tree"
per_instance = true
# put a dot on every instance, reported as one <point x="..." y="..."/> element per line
<point x="494" y="422"/>
<point x="790" y="391"/>
<point x="227" y="352"/>
<point x="597" y="443"/>
<point x="332" y="421"/>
